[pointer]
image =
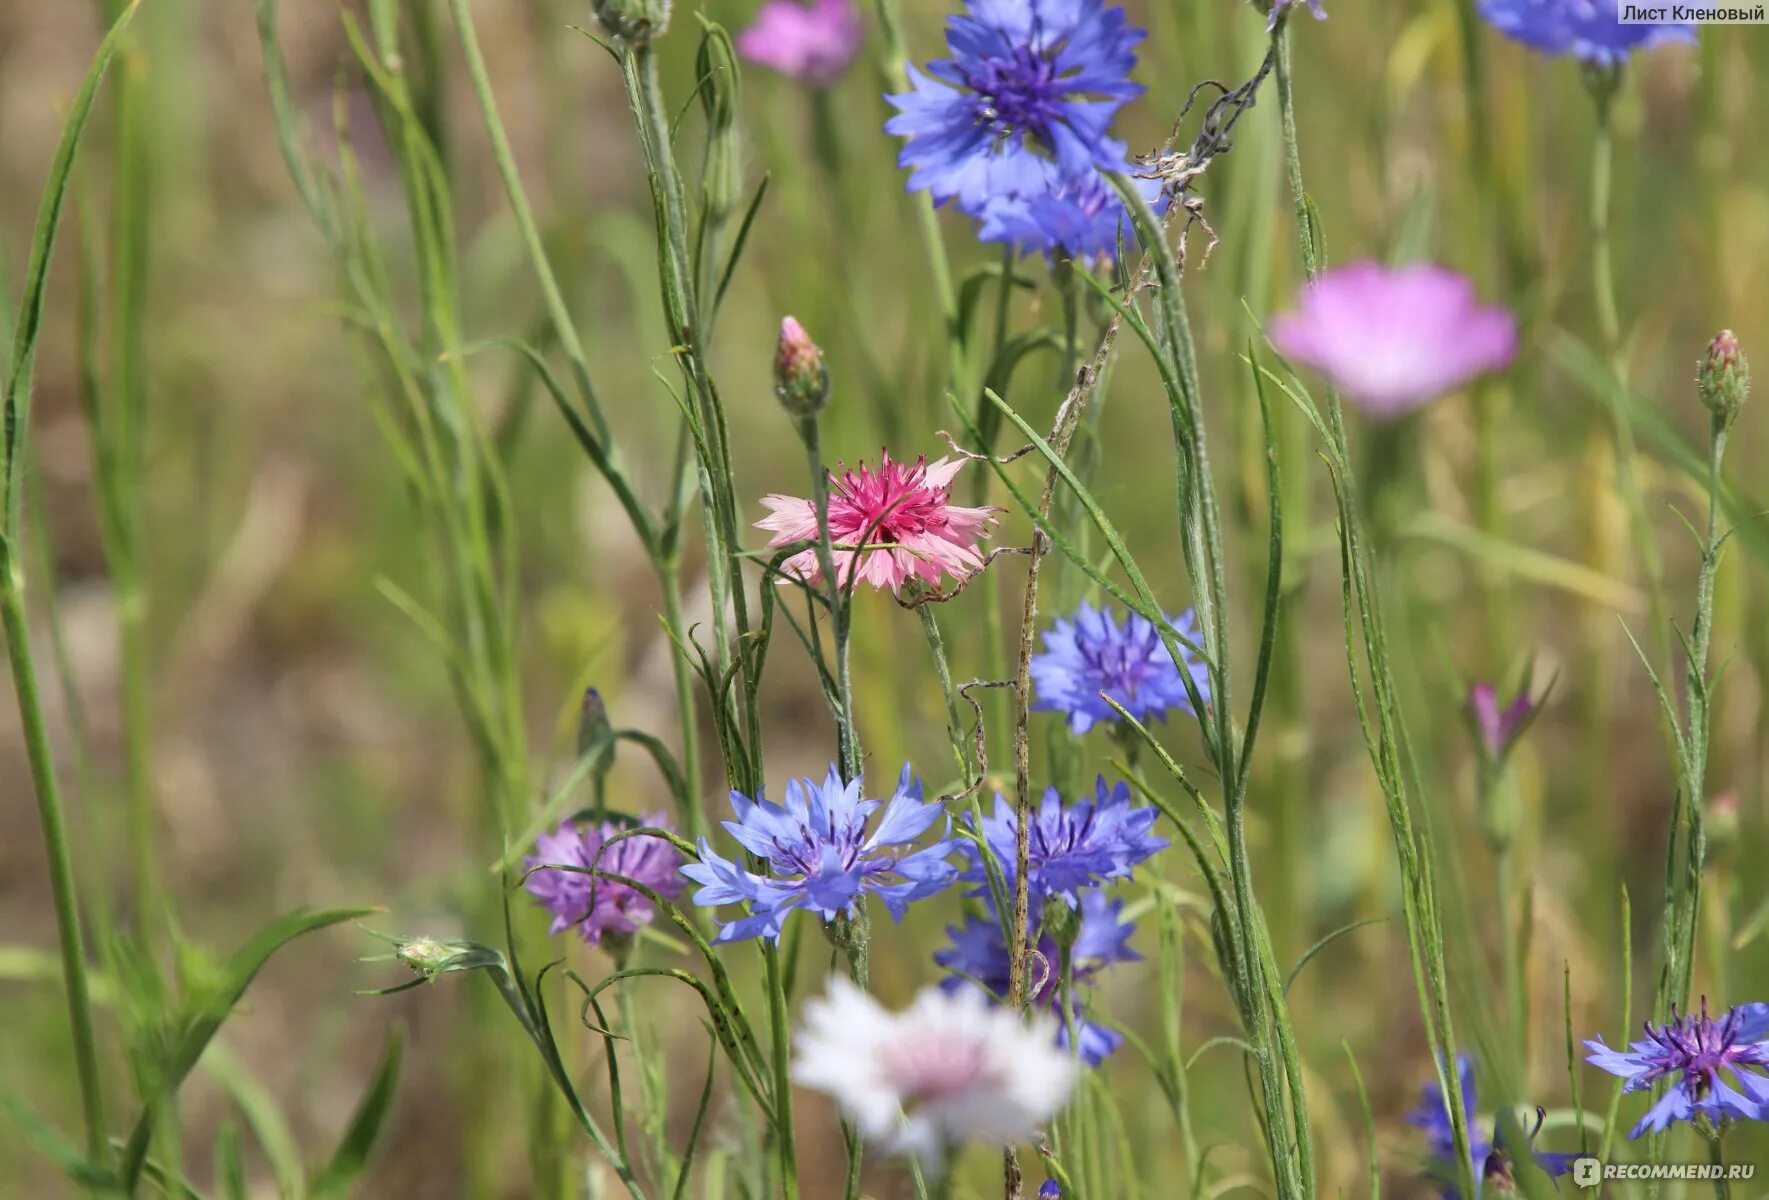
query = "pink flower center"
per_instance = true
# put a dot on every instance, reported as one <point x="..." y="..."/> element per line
<point x="927" y="1068"/>
<point x="889" y="506"/>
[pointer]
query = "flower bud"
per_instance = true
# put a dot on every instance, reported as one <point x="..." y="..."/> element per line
<point x="427" y="956"/>
<point x="801" y="378"/>
<point x="722" y="179"/>
<point x="1050" y="1189"/>
<point x="1060" y="922"/>
<point x="1724" y="376"/>
<point x="632" y="23"/>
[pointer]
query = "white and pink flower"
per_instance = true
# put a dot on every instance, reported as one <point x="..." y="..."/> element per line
<point x="949" y="1069"/>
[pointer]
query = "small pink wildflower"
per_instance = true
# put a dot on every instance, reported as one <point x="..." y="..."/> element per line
<point x="813" y="43"/>
<point x="1392" y="339"/>
<point x="900" y="519"/>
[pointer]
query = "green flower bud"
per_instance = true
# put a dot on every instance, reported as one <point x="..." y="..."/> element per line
<point x="632" y="23"/>
<point x="1061" y="922"/>
<point x="801" y="377"/>
<point x="427" y="956"/>
<point x="720" y="97"/>
<point x="1724" y="376"/>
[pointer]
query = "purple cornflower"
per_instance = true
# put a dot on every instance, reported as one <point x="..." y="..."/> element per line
<point x="1279" y="6"/>
<point x="1690" y="1052"/>
<point x="1493" y="1160"/>
<point x="1588" y="30"/>
<point x="1499" y="727"/>
<point x="812" y="42"/>
<point x="598" y="906"/>
<point x="818" y="855"/>
<point x="1391" y="339"/>
<point x="1092" y="653"/>
<point x="1025" y="98"/>
<point x="1075" y="217"/>
<point x="978" y="954"/>
<point x="1073" y="847"/>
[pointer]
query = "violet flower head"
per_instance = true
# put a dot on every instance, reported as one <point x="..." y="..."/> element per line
<point x="818" y="855"/>
<point x="1491" y="1159"/>
<point x="1279" y="6"/>
<point x="1079" y="216"/>
<point x="1689" y="1053"/>
<point x="1050" y="1189"/>
<point x="811" y="42"/>
<point x="899" y="519"/>
<point x="1028" y="94"/>
<point x="1392" y="339"/>
<point x="1588" y="30"/>
<point x="1091" y="653"/>
<point x="1499" y="727"/>
<point x="1073" y="847"/>
<point x="978" y="955"/>
<point x="597" y="906"/>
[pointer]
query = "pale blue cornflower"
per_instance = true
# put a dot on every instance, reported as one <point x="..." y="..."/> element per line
<point x="1073" y="847"/>
<point x="1590" y="31"/>
<point x="818" y="855"/>
<point x="978" y="954"/>
<point x="1092" y="652"/>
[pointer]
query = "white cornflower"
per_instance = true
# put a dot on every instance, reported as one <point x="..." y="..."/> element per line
<point x="950" y="1068"/>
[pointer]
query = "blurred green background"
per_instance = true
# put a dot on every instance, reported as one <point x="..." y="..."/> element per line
<point x="306" y="746"/>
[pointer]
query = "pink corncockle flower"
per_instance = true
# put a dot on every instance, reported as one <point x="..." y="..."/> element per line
<point x="812" y="42"/>
<point x="949" y="1069"/>
<point x="900" y="519"/>
<point x="1392" y="339"/>
<point x="1499" y="725"/>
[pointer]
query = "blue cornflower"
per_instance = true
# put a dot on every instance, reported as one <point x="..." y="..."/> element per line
<point x="1026" y="96"/>
<point x="1092" y="653"/>
<point x="1076" y="217"/>
<point x="1690" y="1052"/>
<point x="819" y="856"/>
<point x="1493" y="1162"/>
<point x="1278" y="7"/>
<point x="1588" y="30"/>
<point x="1073" y="847"/>
<point x="979" y="954"/>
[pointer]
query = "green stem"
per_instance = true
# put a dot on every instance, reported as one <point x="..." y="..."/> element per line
<point x="839" y="592"/>
<point x="1424" y="923"/>
<point x="930" y="628"/>
<point x="55" y="847"/>
<point x="1610" y="330"/>
<point x="1717" y="1156"/>
<point x="895" y="59"/>
<point x="782" y="1056"/>
<point x="682" y="673"/>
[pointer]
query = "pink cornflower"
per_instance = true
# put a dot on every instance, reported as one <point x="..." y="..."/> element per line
<point x="900" y="519"/>
<point x="1392" y="339"/>
<point x="812" y="42"/>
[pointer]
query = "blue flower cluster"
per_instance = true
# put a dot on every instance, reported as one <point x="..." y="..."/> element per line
<point x="1075" y="851"/>
<point x="1012" y="128"/>
<point x="1588" y="30"/>
<point x="1491" y="1159"/>
<point x="818" y="855"/>
<point x="1091" y="653"/>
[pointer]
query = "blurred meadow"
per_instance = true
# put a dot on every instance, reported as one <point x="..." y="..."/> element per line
<point x="227" y="581"/>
